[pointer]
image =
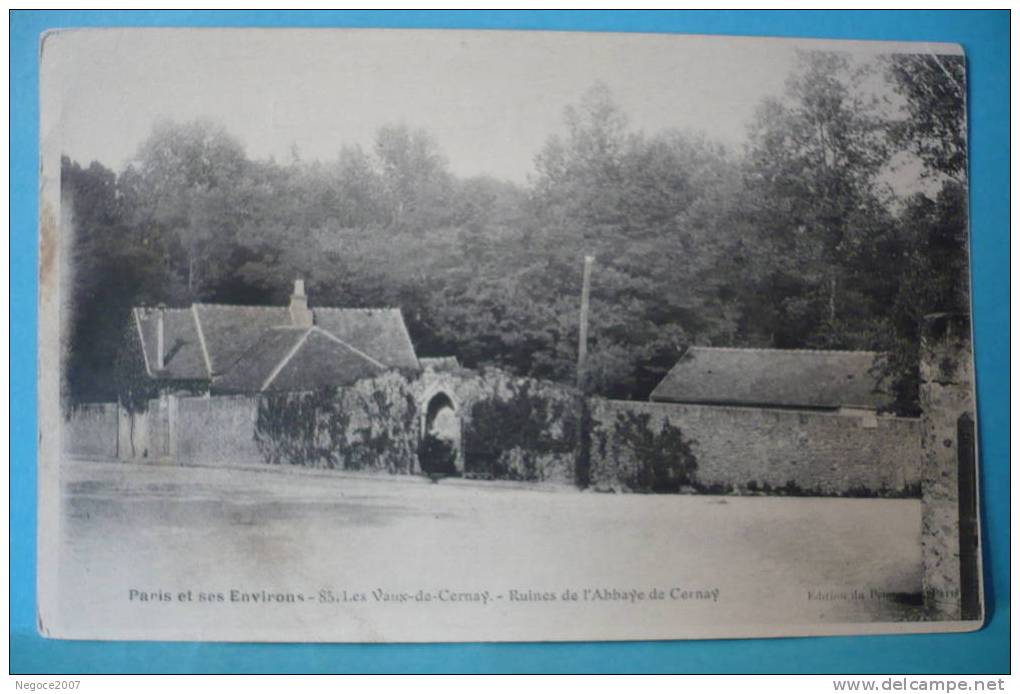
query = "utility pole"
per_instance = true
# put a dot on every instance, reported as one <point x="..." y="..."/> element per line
<point x="582" y="340"/>
<point x="582" y="461"/>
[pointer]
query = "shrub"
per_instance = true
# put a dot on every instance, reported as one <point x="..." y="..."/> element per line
<point x="368" y="426"/>
<point x="505" y="438"/>
<point x="664" y="459"/>
<point x="437" y="456"/>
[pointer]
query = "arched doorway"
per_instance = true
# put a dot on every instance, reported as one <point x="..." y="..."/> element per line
<point x="439" y="452"/>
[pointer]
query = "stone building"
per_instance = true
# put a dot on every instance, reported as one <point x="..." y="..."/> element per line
<point x="224" y="349"/>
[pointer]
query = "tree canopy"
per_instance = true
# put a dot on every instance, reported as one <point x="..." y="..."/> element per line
<point x="798" y="240"/>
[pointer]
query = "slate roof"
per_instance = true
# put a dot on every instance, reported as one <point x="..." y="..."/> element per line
<point x="773" y="377"/>
<point x="379" y="332"/>
<point x="182" y="349"/>
<point x="295" y="359"/>
<point x="321" y="358"/>
<point x="237" y="348"/>
<point x="254" y="367"/>
<point x="230" y="331"/>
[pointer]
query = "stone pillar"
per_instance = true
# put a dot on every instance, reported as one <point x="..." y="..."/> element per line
<point x="946" y="395"/>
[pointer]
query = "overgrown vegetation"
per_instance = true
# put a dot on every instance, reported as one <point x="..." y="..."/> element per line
<point x="713" y="489"/>
<point x="660" y="461"/>
<point x="792" y="488"/>
<point x="287" y="428"/>
<point x="797" y="240"/>
<point x="437" y="456"/>
<point x="510" y="438"/>
<point x="370" y="426"/>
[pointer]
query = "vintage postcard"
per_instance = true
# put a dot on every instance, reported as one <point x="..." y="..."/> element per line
<point x="400" y="335"/>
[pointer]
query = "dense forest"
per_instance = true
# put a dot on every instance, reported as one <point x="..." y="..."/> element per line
<point x="800" y="240"/>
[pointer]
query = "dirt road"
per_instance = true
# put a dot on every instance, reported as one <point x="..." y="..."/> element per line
<point x="317" y="554"/>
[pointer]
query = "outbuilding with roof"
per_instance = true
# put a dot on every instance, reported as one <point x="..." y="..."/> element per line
<point x="257" y="349"/>
<point x="777" y="378"/>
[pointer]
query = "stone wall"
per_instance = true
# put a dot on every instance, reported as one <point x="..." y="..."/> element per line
<point x="752" y="449"/>
<point x="133" y="434"/>
<point x="161" y="427"/>
<point x="524" y="429"/>
<point x="216" y="430"/>
<point x="148" y="434"/>
<point x="92" y="430"/>
<point x="512" y="428"/>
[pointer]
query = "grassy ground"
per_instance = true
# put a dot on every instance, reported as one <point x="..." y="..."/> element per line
<point x="168" y="530"/>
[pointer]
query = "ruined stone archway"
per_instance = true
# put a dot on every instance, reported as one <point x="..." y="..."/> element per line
<point x="440" y="421"/>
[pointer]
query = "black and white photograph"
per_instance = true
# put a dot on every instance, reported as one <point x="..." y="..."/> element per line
<point x="442" y="335"/>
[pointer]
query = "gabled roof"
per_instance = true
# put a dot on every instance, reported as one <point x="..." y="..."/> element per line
<point x="296" y="359"/>
<point x="254" y="367"/>
<point x="236" y="348"/>
<point x="322" y="359"/>
<point x="182" y="348"/>
<point x="379" y="332"/>
<point x="774" y="377"/>
<point x="230" y="331"/>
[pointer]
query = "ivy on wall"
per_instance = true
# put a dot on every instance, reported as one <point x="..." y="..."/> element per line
<point x="516" y="437"/>
<point x="513" y="429"/>
<point x="368" y="426"/>
<point x="657" y="461"/>
<point x="285" y="427"/>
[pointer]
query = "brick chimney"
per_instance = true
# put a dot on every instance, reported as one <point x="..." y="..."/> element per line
<point x="300" y="314"/>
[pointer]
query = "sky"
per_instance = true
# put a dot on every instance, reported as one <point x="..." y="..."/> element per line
<point x="490" y="98"/>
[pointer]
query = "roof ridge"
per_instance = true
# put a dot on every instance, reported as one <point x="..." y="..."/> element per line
<point x="294" y="349"/>
<point x="354" y="308"/>
<point x="284" y="308"/>
<point x="255" y="306"/>
<point x="201" y="342"/>
<point x="143" y="307"/>
<point x="407" y="338"/>
<point x="248" y="351"/>
<point x="349" y="346"/>
<point x="787" y="349"/>
<point x="141" y="339"/>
